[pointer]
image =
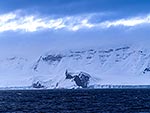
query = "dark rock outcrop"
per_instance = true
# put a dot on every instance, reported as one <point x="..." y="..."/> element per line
<point x="146" y="70"/>
<point x="52" y="58"/>
<point x="122" y="48"/>
<point x="37" y="85"/>
<point x="81" y="79"/>
<point x="68" y="75"/>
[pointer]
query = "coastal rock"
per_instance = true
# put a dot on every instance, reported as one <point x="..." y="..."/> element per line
<point x="37" y="85"/>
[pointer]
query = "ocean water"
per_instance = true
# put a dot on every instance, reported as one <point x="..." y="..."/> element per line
<point x="75" y="101"/>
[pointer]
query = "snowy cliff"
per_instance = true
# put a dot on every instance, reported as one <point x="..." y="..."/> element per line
<point x="106" y="66"/>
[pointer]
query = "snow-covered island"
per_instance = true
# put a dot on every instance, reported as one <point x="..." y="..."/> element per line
<point x="114" y="67"/>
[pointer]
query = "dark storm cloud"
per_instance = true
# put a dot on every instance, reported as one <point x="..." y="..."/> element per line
<point x="60" y="21"/>
<point x="71" y="7"/>
<point x="87" y="12"/>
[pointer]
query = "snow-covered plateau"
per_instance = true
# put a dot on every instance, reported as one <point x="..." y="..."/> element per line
<point x="114" y="67"/>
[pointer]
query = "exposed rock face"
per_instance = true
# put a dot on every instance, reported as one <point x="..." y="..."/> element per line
<point x="68" y="75"/>
<point x="52" y="58"/>
<point x="146" y="70"/>
<point x="37" y="85"/>
<point x="81" y="79"/>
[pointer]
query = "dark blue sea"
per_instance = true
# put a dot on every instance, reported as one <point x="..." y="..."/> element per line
<point x="75" y="101"/>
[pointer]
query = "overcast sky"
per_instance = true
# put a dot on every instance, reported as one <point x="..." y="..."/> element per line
<point x="40" y="25"/>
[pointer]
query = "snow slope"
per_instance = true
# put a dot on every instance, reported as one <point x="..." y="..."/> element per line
<point x="107" y="66"/>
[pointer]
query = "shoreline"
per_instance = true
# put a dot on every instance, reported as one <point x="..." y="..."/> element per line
<point x="88" y="88"/>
